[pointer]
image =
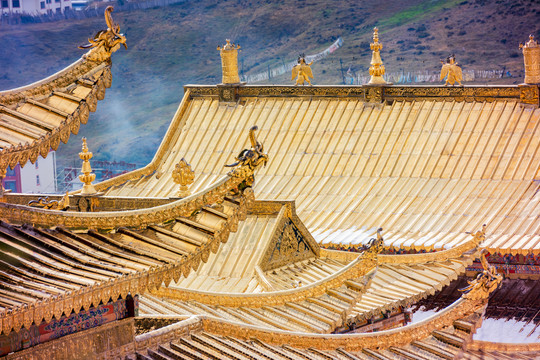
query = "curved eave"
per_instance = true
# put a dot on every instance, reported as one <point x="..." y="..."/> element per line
<point x="35" y="118"/>
<point x="50" y="272"/>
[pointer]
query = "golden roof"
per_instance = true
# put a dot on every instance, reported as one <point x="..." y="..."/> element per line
<point x="35" y="118"/>
<point x="428" y="163"/>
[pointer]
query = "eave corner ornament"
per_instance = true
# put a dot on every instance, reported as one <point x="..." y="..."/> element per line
<point x="479" y="236"/>
<point x="249" y="159"/>
<point x="105" y="42"/>
<point x="374" y="246"/>
<point x="485" y="283"/>
<point x="183" y="175"/>
<point x="451" y="71"/>
<point x="302" y="71"/>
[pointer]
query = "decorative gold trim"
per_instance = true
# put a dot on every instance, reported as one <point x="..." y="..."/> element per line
<point x="477" y="345"/>
<point x="114" y="340"/>
<point x="350" y="342"/>
<point x="388" y="92"/>
<point x="356" y="269"/>
<point x="422" y="258"/>
<point x="140" y="218"/>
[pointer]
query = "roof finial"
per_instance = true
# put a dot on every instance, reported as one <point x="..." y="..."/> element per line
<point x="229" y="62"/>
<point x="183" y="175"/>
<point x="87" y="176"/>
<point x="376" y="70"/>
<point x="531" y="58"/>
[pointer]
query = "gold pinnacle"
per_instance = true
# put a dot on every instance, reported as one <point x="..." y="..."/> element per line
<point x="184" y="176"/>
<point x="86" y="177"/>
<point x="376" y="70"/>
<point x="229" y="62"/>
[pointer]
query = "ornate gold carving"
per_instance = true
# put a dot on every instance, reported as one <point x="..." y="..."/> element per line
<point x="45" y="203"/>
<point x="105" y="42"/>
<point x="375" y="246"/>
<point x="229" y="62"/>
<point x="529" y="94"/>
<point x="302" y="71"/>
<point x="184" y="176"/>
<point x="451" y="71"/>
<point x="376" y="70"/>
<point x="249" y="159"/>
<point x="531" y="58"/>
<point x="114" y="340"/>
<point x="286" y="247"/>
<point x="485" y="283"/>
<point x="87" y="176"/>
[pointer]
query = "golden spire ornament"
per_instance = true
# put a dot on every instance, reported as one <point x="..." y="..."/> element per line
<point x="184" y="176"/>
<point x="376" y="70"/>
<point x="87" y="176"/>
<point x="531" y="58"/>
<point x="229" y="62"/>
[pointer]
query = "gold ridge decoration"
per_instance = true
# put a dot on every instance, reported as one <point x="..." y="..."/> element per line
<point x="137" y="218"/>
<point x="531" y="58"/>
<point x="485" y="283"/>
<point x="451" y="71"/>
<point x="105" y="42"/>
<point x="87" y="176"/>
<point x="376" y="70"/>
<point x="45" y="203"/>
<point x="184" y="176"/>
<point x="249" y="159"/>
<point x="362" y="266"/>
<point x="302" y="71"/>
<point x="350" y="342"/>
<point x="229" y="62"/>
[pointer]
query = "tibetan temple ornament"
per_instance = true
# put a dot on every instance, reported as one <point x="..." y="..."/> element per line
<point x="87" y="176"/>
<point x="531" y="58"/>
<point x="485" y="283"/>
<point x="229" y="62"/>
<point x="451" y="71"/>
<point x="105" y="42"/>
<point x="184" y="176"/>
<point x="376" y="70"/>
<point x="302" y="71"/>
<point x="249" y="159"/>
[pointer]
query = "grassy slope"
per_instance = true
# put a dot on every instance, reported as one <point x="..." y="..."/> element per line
<point x="172" y="46"/>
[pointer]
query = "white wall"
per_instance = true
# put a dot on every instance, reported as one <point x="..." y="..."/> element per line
<point x="33" y="7"/>
<point x="46" y="170"/>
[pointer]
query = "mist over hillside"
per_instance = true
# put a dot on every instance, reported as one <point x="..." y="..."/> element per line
<point x="176" y="45"/>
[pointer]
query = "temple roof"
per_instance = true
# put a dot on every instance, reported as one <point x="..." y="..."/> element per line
<point x="442" y="336"/>
<point x="35" y="118"/>
<point x="428" y="163"/>
<point x="54" y="270"/>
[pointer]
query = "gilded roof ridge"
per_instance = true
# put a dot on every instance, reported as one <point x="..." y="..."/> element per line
<point x="362" y="266"/>
<point x="353" y="342"/>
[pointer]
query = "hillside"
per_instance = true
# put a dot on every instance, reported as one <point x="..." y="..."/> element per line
<point x="176" y="45"/>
